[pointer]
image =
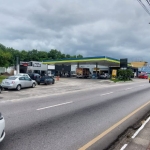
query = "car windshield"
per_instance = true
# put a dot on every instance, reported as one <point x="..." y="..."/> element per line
<point x="21" y="74"/>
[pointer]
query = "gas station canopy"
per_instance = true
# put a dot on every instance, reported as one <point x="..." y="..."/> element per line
<point x="101" y="60"/>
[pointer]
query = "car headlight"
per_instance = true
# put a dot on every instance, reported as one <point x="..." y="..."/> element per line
<point x="1" y="117"/>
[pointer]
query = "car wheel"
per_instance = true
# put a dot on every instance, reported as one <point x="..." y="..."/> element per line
<point x="18" y="88"/>
<point x="0" y="90"/>
<point x="38" y="83"/>
<point x="53" y="82"/>
<point x="33" y="85"/>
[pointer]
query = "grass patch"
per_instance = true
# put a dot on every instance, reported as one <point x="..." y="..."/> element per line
<point x="2" y="77"/>
<point x="119" y="80"/>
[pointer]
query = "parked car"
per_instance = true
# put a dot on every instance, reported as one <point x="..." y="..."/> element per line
<point x="46" y="80"/>
<point x="23" y="74"/>
<point x="18" y="82"/>
<point x="104" y="76"/>
<point x="2" y="128"/>
<point x="143" y="76"/>
<point x="34" y="76"/>
<point x="1" y="88"/>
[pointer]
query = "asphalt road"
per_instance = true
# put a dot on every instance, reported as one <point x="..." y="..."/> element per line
<point x="69" y="120"/>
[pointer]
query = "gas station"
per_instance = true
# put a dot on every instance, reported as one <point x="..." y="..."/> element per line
<point x="96" y="61"/>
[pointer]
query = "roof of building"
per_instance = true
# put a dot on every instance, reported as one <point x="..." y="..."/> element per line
<point x="100" y="60"/>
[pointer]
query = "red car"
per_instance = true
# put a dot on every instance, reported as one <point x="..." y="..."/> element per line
<point x="143" y="76"/>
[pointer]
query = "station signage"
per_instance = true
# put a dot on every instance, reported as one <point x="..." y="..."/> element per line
<point x="114" y="74"/>
<point x="25" y="64"/>
<point x="36" y="65"/>
<point x="124" y="63"/>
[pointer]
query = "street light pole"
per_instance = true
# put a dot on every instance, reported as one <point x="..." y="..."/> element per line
<point x="17" y="65"/>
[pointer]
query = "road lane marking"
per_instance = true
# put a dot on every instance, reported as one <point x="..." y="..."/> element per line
<point x="63" y="92"/>
<point x="107" y="93"/>
<point x="112" y="128"/>
<point x="125" y="145"/>
<point x="129" y="88"/>
<point x="143" y="85"/>
<point x="136" y="133"/>
<point x="54" y="105"/>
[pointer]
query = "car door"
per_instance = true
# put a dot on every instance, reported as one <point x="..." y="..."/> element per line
<point x="22" y="81"/>
<point x="28" y="82"/>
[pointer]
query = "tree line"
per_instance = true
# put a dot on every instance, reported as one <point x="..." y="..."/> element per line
<point x="8" y="55"/>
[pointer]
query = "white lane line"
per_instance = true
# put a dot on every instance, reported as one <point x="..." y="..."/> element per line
<point x="107" y="93"/>
<point x="128" y="88"/>
<point x="124" y="146"/>
<point x="143" y="85"/>
<point x="55" y="105"/>
<point x="136" y="133"/>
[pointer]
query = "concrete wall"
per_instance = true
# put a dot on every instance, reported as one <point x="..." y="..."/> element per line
<point x="2" y="70"/>
<point x="9" y="70"/>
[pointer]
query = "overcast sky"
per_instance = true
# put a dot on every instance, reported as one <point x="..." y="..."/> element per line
<point x="117" y="28"/>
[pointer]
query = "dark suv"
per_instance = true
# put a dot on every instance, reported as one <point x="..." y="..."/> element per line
<point x="34" y="76"/>
<point x="46" y="80"/>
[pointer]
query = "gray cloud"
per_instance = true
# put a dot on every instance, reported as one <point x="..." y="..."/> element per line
<point x="92" y="28"/>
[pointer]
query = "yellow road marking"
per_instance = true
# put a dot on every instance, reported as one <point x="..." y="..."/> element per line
<point x="111" y="128"/>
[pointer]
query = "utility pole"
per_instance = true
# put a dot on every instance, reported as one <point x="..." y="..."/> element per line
<point x="17" y="65"/>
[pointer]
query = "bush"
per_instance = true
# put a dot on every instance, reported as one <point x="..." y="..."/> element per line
<point x="125" y="75"/>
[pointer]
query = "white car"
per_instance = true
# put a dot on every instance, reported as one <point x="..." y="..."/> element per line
<point x="18" y="82"/>
<point x="104" y="76"/>
<point x="23" y="74"/>
<point x="2" y="127"/>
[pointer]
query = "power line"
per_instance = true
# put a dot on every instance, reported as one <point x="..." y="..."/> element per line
<point x="145" y="8"/>
<point x="148" y="1"/>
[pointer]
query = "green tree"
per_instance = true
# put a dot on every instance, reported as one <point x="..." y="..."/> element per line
<point x="79" y="56"/>
<point x="24" y="55"/>
<point x="74" y="56"/>
<point x="63" y="56"/>
<point x="4" y="58"/>
<point x="2" y="47"/>
<point x="42" y="55"/>
<point x="68" y="56"/>
<point x="125" y="74"/>
<point x="8" y="55"/>
<point x="34" y="55"/>
<point x="54" y="54"/>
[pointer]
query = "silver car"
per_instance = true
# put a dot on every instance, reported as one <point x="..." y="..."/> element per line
<point x="18" y="82"/>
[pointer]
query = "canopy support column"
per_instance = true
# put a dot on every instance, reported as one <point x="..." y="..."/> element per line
<point x="96" y="70"/>
<point x="78" y="65"/>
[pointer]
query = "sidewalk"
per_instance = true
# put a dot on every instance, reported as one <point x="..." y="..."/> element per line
<point x="141" y="139"/>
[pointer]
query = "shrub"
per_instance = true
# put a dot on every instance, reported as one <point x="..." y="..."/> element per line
<point x="124" y="75"/>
